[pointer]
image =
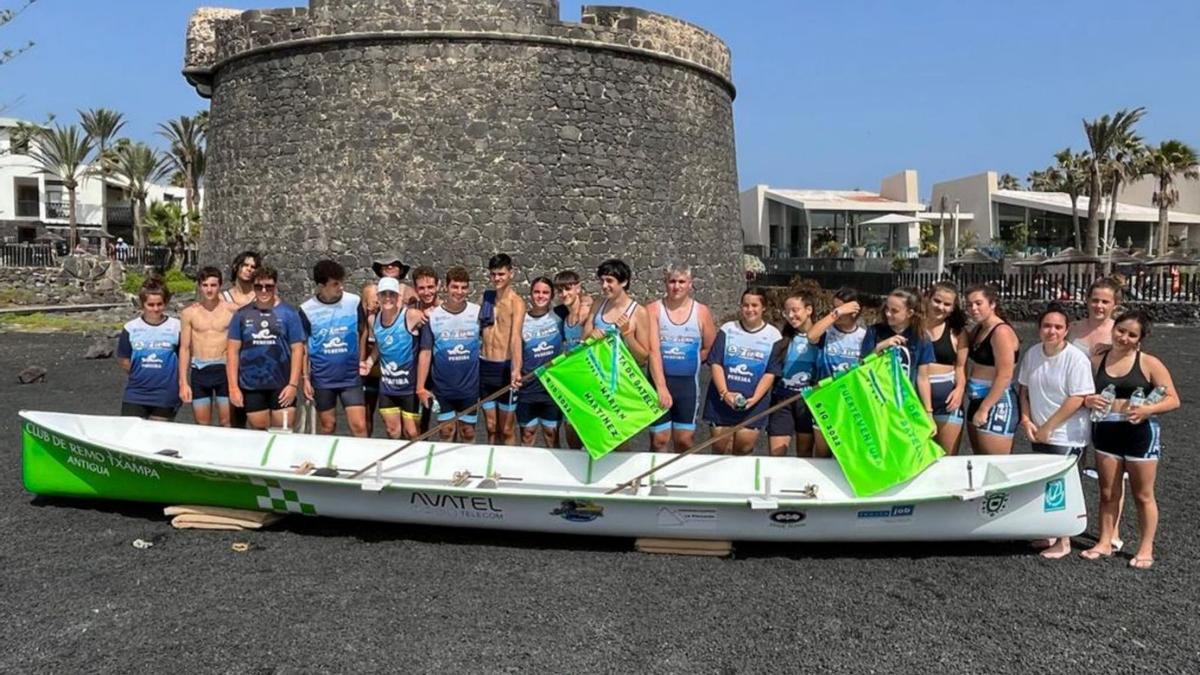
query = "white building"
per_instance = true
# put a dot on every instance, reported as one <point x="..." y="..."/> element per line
<point x="799" y="223"/>
<point x="1047" y="215"/>
<point x="32" y="203"/>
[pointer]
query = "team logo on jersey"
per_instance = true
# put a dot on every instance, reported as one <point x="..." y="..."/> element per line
<point x="152" y="360"/>
<point x="264" y="334"/>
<point x="543" y="348"/>
<point x="389" y="340"/>
<point x="335" y="345"/>
<point x="458" y="350"/>
<point x="673" y="351"/>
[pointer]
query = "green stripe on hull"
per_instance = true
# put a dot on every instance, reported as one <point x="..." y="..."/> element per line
<point x="61" y="466"/>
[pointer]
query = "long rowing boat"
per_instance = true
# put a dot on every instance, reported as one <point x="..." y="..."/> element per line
<point x="541" y="490"/>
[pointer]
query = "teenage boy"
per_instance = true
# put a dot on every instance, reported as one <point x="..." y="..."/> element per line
<point x="203" y="340"/>
<point x="335" y="324"/>
<point x="501" y="316"/>
<point x="681" y="333"/>
<point x="449" y="357"/>
<point x="265" y="355"/>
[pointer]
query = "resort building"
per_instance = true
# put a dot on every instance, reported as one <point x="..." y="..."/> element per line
<point x="34" y="204"/>
<point x="802" y="223"/>
<point x="1047" y="215"/>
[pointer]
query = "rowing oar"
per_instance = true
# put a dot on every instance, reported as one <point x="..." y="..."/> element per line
<point x="732" y="430"/>
<point x="528" y="377"/>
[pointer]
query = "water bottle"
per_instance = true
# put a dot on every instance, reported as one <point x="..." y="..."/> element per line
<point x="435" y="408"/>
<point x="1138" y="399"/>
<point x="739" y="402"/>
<point x="1155" y="396"/>
<point x="1109" y="395"/>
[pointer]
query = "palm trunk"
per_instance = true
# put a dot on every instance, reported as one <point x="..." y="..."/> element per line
<point x="1093" y="227"/>
<point x="103" y="193"/>
<point x="138" y="235"/>
<point x="71" y="219"/>
<point x="1075" y="221"/>
<point x="188" y="194"/>
<point x="1164" y="222"/>
<point x="1111" y="229"/>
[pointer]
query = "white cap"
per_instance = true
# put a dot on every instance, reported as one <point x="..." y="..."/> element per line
<point x="386" y="284"/>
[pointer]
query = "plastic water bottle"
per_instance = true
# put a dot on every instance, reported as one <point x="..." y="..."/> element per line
<point x="435" y="408"/>
<point x="1138" y="399"/>
<point x="1155" y="396"/>
<point x="1109" y="395"/>
<point x="739" y="402"/>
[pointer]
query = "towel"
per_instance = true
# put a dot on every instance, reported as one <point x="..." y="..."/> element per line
<point x="217" y="518"/>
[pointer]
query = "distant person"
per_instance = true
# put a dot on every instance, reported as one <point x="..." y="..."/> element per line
<point x="241" y="279"/>
<point x="148" y="350"/>
<point x="122" y="249"/>
<point x="335" y="323"/>
<point x="1128" y="437"/>
<point x="449" y="358"/>
<point x="992" y="411"/>
<point x="1055" y="378"/>
<point x="946" y="329"/>
<point x="839" y="338"/>
<point x="574" y="308"/>
<point x="541" y="341"/>
<point x="742" y="376"/>
<point x="202" y="348"/>
<point x="795" y="362"/>
<point x="681" y="333"/>
<point x="369" y="293"/>
<point x="265" y="356"/>
<point x="500" y="315"/>
<point x="391" y="265"/>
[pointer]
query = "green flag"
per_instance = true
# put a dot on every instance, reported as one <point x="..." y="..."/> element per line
<point x="875" y="424"/>
<point x="602" y="392"/>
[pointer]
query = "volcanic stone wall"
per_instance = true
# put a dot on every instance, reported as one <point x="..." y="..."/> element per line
<point x="454" y="129"/>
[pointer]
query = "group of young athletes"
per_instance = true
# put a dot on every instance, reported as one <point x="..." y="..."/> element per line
<point x="425" y="354"/>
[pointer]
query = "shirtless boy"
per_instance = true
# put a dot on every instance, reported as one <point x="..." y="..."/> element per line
<point x="202" y="343"/>
<point x="501" y="316"/>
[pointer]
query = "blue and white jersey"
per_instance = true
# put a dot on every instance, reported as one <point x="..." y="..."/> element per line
<point x="572" y="333"/>
<point x="542" y="339"/>
<point x="153" y="353"/>
<point x="917" y="352"/>
<point x="796" y="361"/>
<point x="454" y="340"/>
<point x="840" y="351"/>
<point x="397" y="355"/>
<point x="744" y="355"/>
<point x="332" y="329"/>
<point x="679" y="344"/>
<point x="267" y="336"/>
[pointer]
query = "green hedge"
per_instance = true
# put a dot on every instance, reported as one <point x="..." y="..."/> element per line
<point x="176" y="281"/>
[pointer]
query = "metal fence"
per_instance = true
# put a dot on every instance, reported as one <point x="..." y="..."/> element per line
<point x="27" y="255"/>
<point x="47" y="255"/>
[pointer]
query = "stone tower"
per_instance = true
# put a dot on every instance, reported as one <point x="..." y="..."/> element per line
<point x="454" y="129"/>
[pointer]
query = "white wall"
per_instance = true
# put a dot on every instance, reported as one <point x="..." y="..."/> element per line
<point x="974" y="195"/>
<point x="1141" y="192"/>
<point x="754" y="216"/>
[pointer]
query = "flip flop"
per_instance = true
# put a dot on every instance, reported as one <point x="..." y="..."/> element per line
<point x="1092" y="554"/>
<point x="1141" y="563"/>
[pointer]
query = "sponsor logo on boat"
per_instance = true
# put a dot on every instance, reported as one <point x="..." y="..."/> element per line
<point x="578" y="511"/>
<point x="787" y="518"/>
<point x="692" y="519"/>
<point x="897" y="511"/>
<point x="1055" y="497"/>
<point x="481" y="508"/>
<point x="993" y="504"/>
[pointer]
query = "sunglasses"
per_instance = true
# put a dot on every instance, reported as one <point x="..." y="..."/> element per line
<point x="264" y="287"/>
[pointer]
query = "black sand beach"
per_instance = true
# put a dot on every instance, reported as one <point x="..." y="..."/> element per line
<point x="324" y="595"/>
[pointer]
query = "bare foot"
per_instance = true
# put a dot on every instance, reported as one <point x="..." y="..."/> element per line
<point x="1060" y="549"/>
<point x="1096" y="552"/>
<point x="1141" y="563"/>
<point x="1039" y="544"/>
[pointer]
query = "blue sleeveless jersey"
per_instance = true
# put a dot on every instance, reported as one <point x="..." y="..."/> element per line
<point x="745" y="356"/>
<point x="542" y="340"/>
<point x="454" y="340"/>
<point x="840" y="351"/>
<point x="397" y="355"/>
<point x="679" y="344"/>
<point x="603" y="326"/>
<point x="572" y="335"/>
<point x="153" y="353"/>
<point x="267" y="335"/>
<point x="797" y="364"/>
<point x="332" y="329"/>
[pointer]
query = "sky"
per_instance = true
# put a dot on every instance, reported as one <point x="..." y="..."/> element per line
<point x="832" y="94"/>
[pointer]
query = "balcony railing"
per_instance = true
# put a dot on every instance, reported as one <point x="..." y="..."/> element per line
<point x="121" y="214"/>
<point x="59" y="209"/>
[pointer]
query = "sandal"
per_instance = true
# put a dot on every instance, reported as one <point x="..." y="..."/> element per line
<point x="1141" y="563"/>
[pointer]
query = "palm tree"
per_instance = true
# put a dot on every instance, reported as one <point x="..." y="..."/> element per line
<point x="139" y="165"/>
<point x="187" y="144"/>
<point x="1073" y="170"/>
<point x="1169" y="159"/>
<point x="63" y="152"/>
<point x="102" y="125"/>
<point x="1126" y="165"/>
<point x="1008" y="181"/>
<point x="1105" y="135"/>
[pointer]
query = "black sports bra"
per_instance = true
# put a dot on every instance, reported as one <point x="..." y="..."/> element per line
<point x="945" y="352"/>
<point x="1128" y="383"/>
<point x="982" y="352"/>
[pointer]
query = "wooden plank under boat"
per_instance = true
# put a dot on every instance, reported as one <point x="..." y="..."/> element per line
<point x="540" y="490"/>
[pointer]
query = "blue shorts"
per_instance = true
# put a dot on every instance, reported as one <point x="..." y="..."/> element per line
<point x="1003" y="418"/>
<point x="494" y="376"/>
<point x="794" y="418"/>
<point x="209" y="384"/>
<point x="940" y="387"/>
<point x="538" y="413"/>
<point x="685" y="403"/>
<point x="1116" y="436"/>
<point x="718" y="413"/>
<point x="452" y="405"/>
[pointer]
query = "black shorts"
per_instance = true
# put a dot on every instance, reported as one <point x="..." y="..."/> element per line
<point x="685" y="405"/>
<point x="371" y="385"/>
<point x="407" y="405"/>
<point x="1126" y="440"/>
<point x="146" y="411"/>
<point x="538" y="413"/>
<point x="209" y="383"/>
<point x="494" y="376"/>
<point x="327" y="399"/>
<point x="1049" y="449"/>
<point x="258" y="400"/>
<point x="793" y="418"/>
<point x="449" y="406"/>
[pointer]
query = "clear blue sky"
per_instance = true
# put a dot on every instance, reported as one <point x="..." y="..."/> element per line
<point x="831" y="93"/>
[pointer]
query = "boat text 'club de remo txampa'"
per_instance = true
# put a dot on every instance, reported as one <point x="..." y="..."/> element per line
<point x="888" y="479"/>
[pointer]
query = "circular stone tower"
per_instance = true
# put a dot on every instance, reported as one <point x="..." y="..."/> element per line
<point x="451" y="130"/>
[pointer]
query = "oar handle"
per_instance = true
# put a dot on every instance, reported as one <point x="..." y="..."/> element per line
<point x="731" y="431"/>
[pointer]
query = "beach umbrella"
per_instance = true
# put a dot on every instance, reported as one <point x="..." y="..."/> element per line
<point x="1122" y="257"/>
<point x="1072" y="256"/>
<point x="973" y="258"/>
<point x="1031" y="261"/>
<point x="49" y="236"/>
<point x="1172" y="258"/>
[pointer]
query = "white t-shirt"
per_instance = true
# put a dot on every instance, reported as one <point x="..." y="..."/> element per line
<point x="1051" y="380"/>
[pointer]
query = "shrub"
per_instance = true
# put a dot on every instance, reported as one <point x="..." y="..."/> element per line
<point x="175" y="280"/>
